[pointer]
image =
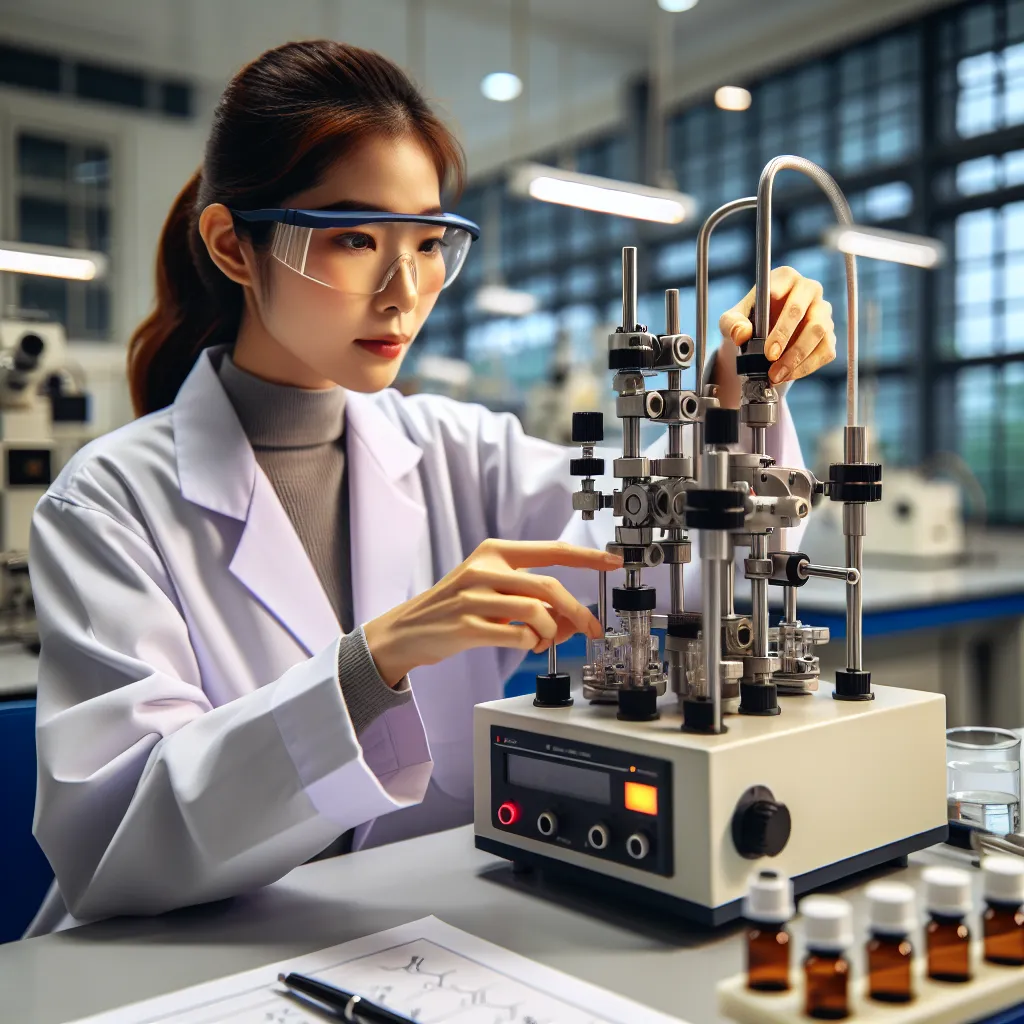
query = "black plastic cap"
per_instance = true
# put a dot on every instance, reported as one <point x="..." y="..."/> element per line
<point x="684" y="625"/>
<point x="721" y="426"/>
<point x="793" y="577"/>
<point x="638" y="704"/>
<point x="634" y="599"/>
<point x="752" y="365"/>
<point x="759" y="698"/>
<point x="553" y="691"/>
<point x="587" y="427"/>
<point x="761" y="827"/>
<point x="852" y="684"/>
<point x="631" y="359"/>
<point x="699" y="715"/>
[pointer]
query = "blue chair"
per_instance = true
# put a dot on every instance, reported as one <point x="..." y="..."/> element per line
<point x="24" y="869"/>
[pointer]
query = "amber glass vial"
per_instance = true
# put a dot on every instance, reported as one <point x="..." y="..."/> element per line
<point x="889" y="952"/>
<point x="1003" y="919"/>
<point x="826" y="970"/>
<point x="767" y="907"/>
<point x="948" y="901"/>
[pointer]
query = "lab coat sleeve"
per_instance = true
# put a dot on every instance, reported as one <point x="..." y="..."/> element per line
<point x="150" y="798"/>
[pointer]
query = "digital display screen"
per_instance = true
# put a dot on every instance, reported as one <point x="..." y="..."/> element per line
<point x="563" y="779"/>
<point x="641" y="798"/>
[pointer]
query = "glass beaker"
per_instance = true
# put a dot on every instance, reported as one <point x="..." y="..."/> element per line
<point x="983" y="778"/>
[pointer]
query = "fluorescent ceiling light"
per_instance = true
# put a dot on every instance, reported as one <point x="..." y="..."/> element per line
<point x="732" y="97"/>
<point x="879" y="244"/>
<point x="52" y="261"/>
<point x="677" y="6"/>
<point x="501" y="86"/>
<point x="603" y="195"/>
<point x="502" y="301"/>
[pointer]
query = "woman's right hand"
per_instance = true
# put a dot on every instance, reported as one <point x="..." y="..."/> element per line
<point x="487" y="601"/>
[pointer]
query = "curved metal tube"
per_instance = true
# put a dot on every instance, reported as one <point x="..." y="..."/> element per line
<point x="762" y="297"/>
<point x="703" y="244"/>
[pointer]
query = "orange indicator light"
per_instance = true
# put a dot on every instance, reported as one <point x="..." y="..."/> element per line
<point x="640" y="798"/>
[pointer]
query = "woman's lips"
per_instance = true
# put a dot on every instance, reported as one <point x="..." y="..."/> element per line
<point x="381" y="348"/>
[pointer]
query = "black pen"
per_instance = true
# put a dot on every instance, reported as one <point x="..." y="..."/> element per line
<point x="350" y="1006"/>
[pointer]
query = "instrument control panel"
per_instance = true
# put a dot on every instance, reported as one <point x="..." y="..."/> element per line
<point x="598" y="801"/>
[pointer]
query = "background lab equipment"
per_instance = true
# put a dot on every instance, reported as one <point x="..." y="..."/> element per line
<point x="39" y="430"/>
<point x="651" y="787"/>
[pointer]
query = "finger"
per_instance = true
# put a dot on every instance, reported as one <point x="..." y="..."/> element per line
<point x="803" y="294"/>
<point x="506" y="608"/>
<point x="782" y="281"/>
<point x="543" y="588"/>
<point x="815" y="328"/>
<point x="484" y="633"/>
<point x="821" y="356"/>
<point x="529" y="554"/>
<point x="735" y="323"/>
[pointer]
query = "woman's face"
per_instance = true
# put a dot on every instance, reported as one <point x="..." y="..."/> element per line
<point x="331" y="331"/>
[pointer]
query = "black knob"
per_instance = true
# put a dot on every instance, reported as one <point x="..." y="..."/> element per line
<point x="587" y="427"/>
<point x="760" y="824"/>
<point x="721" y="426"/>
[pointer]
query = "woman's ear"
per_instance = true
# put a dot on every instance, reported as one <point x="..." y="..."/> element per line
<point x="234" y="258"/>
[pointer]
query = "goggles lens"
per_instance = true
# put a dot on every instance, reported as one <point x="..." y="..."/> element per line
<point x="364" y="259"/>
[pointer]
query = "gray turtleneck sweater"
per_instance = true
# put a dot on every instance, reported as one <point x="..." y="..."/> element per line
<point x="298" y="437"/>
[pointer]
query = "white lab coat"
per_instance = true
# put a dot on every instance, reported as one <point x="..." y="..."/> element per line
<point x="193" y="742"/>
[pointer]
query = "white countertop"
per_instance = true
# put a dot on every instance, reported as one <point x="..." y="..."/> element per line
<point x="664" y="963"/>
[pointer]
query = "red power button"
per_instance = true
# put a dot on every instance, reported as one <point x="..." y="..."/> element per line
<point x="508" y="813"/>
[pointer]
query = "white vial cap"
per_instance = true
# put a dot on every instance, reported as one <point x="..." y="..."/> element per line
<point x="1004" y="879"/>
<point x="828" y="923"/>
<point x="769" y="898"/>
<point x="891" y="908"/>
<point x="947" y="891"/>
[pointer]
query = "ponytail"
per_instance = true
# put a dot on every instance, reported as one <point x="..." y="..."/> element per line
<point x="282" y="121"/>
<point x="188" y="317"/>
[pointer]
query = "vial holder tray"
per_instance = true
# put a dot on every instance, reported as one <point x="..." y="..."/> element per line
<point x="992" y="989"/>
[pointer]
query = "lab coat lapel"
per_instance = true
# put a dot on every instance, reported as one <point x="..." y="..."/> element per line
<point x="217" y="469"/>
<point x="387" y="515"/>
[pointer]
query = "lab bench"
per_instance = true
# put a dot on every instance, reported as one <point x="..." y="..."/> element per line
<point x="659" y="961"/>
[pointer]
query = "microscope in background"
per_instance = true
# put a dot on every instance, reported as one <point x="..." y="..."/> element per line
<point x="41" y="424"/>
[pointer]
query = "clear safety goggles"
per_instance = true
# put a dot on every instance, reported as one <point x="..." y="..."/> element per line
<point x="359" y="252"/>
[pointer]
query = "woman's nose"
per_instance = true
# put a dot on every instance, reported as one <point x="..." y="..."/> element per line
<point x="400" y="290"/>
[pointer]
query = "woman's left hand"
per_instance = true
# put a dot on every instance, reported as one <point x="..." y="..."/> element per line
<point x="802" y="337"/>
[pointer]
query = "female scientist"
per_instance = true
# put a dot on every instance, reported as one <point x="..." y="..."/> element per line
<point x="234" y="589"/>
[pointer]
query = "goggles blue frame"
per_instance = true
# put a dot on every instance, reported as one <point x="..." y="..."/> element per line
<point x="353" y="218"/>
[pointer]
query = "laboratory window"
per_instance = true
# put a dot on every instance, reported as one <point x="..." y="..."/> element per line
<point x="63" y="197"/>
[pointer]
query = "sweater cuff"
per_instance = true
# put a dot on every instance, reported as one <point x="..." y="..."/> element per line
<point x="366" y="695"/>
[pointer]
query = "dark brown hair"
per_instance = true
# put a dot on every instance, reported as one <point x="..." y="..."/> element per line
<point x="282" y="121"/>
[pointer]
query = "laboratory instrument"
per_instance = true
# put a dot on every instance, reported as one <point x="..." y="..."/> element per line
<point x="676" y="772"/>
<point x="983" y="778"/>
<point x="34" y="406"/>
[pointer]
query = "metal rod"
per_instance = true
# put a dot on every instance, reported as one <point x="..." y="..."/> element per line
<point x="728" y="588"/>
<point x="602" y="599"/>
<point x="847" y="574"/>
<point x="758" y="440"/>
<point x="631" y="437"/>
<point x="762" y="296"/>
<point x="675" y="581"/>
<point x="629" y="289"/>
<point x="552" y="660"/>
<point x="759" y="598"/>
<point x="854" y="604"/>
<point x="789" y="604"/>
<point x="675" y="377"/>
<point x="712" y="629"/>
<point x="632" y="578"/>
<point x="703" y="244"/>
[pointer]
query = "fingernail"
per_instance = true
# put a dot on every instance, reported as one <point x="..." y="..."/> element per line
<point x="774" y="351"/>
<point x="781" y="374"/>
<point x="613" y="559"/>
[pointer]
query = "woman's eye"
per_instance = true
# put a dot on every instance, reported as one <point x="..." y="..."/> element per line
<point x="433" y="245"/>
<point x="357" y="240"/>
